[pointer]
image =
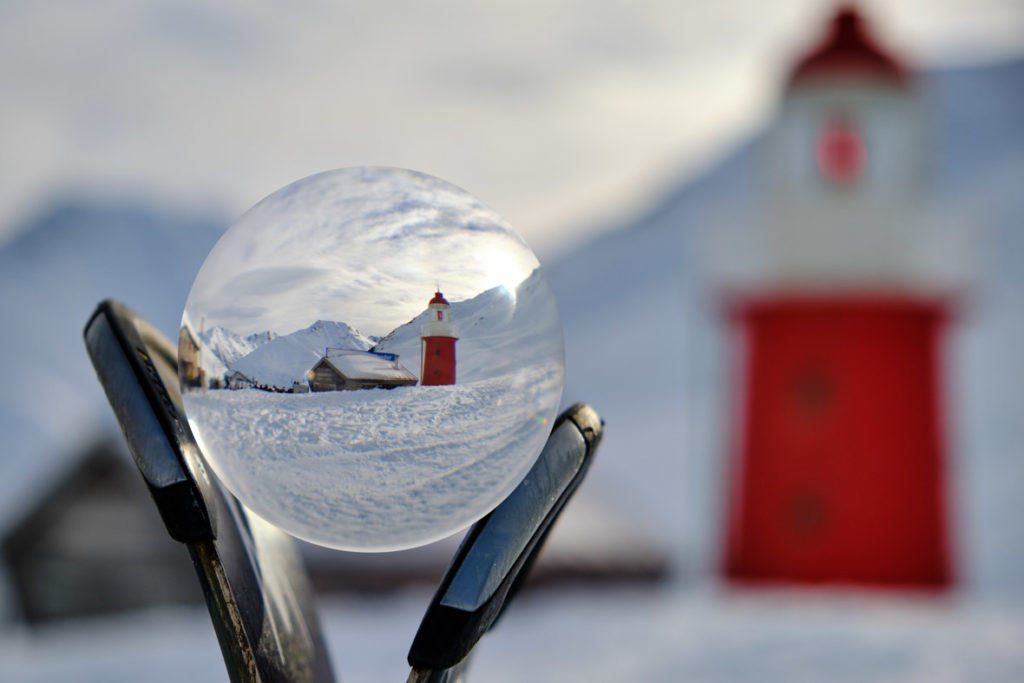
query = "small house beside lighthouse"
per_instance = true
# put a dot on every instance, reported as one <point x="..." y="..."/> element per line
<point x="437" y="344"/>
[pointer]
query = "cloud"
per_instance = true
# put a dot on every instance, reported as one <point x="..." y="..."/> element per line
<point x="272" y="281"/>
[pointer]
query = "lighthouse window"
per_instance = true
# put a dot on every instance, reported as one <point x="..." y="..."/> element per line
<point x="812" y="390"/>
<point x="437" y="352"/>
<point x="440" y="315"/>
<point x="841" y="152"/>
<point x="807" y="513"/>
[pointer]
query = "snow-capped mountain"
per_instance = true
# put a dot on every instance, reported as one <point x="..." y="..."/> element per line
<point x="220" y="347"/>
<point x="286" y="358"/>
<point x="228" y="346"/>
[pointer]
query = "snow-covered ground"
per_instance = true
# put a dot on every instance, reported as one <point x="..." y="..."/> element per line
<point x="581" y="635"/>
<point x="385" y="469"/>
<point x="377" y="469"/>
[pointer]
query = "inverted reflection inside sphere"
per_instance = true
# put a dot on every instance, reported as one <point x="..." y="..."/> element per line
<point x="370" y="359"/>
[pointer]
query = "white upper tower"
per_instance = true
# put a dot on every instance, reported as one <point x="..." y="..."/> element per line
<point x="845" y="160"/>
<point x="439" y="318"/>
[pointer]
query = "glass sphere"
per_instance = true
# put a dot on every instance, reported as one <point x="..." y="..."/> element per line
<point x="371" y="359"/>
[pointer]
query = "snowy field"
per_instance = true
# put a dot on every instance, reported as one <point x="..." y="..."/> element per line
<point x="670" y="634"/>
<point x="377" y="469"/>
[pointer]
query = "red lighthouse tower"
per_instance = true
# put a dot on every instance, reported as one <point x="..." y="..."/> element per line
<point x="838" y="468"/>
<point x="437" y="345"/>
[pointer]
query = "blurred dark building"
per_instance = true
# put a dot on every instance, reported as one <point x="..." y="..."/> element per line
<point x="94" y="544"/>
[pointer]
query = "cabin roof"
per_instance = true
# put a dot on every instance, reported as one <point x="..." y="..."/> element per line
<point x="365" y="365"/>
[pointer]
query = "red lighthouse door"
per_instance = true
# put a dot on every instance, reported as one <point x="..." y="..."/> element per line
<point x="438" y="361"/>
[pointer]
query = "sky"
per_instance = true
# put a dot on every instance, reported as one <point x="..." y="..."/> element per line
<point x="562" y="115"/>
<point x="365" y="247"/>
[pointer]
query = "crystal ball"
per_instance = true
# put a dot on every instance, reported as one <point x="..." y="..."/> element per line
<point x="370" y="359"/>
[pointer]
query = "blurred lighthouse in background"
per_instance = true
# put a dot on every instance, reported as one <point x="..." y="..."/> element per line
<point x="838" y="469"/>
<point x="437" y="343"/>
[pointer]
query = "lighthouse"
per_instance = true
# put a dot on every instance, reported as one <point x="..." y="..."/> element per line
<point x="837" y="470"/>
<point x="437" y="344"/>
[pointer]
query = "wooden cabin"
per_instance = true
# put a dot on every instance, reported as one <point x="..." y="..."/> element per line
<point x="192" y="372"/>
<point x="345" y="369"/>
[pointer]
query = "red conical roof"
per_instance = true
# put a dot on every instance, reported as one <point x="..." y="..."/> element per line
<point x="438" y="299"/>
<point x="849" y="49"/>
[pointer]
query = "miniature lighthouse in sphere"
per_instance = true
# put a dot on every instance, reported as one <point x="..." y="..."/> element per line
<point x="437" y="344"/>
<point x="838" y="462"/>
